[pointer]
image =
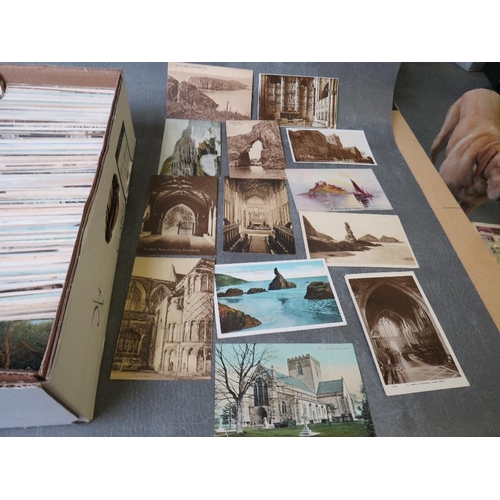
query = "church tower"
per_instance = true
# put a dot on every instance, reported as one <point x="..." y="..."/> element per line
<point x="307" y="369"/>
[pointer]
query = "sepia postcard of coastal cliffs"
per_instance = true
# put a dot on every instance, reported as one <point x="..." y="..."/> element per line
<point x="357" y="240"/>
<point x="202" y="92"/>
<point x="269" y="297"/>
<point x="329" y="146"/>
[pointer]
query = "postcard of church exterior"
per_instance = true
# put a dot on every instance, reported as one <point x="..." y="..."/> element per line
<point x="268" y="297"/>
<point x="166" y="329"/>
<point x="408" y="345"/>
<point x="268" y="390"/>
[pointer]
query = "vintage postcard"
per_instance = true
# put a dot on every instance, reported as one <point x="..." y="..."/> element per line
<point x="254" y="149"/>
<point x="329" y="146"/>
<point x="166" y="329"/>
<point x="257" y="217"/>
<point x="336" y="190"/>
<point x="190" y="147"/>
<point x="490" y="234"/>
<point x="289" y="390"/>
<point x="268" y="297"/>
<point x="23" y="344"/>
<point x="180" y="216"/>
<point x="201" y="92"/>
<point x="408" y="345"/>
<point x="356" y="240"/>
<point x="307" y="101"/>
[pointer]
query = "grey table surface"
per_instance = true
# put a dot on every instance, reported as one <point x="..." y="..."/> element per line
<point x="185" y="408"/>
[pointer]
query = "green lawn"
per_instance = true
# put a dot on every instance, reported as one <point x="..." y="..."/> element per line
<point x="344" y="429"/>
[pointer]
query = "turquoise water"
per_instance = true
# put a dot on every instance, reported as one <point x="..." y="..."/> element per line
<point x="282" y="309"/>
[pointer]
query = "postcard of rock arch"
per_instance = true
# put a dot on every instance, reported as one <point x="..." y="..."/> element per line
<point x="408" y="345"/>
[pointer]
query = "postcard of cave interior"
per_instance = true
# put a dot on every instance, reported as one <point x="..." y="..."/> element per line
<point x="410" y="350"/>
<point x="267" y="297"/>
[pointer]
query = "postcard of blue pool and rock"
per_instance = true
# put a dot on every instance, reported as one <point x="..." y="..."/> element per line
<point x="269" y="297"/>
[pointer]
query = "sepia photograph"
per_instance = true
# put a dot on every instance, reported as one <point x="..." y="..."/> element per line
<point x="180" y="216"/>
<point x="336" y="190"/>
<point x="307" y="101"/>
<point x="257" y="217"/>
<point x="356" y="240"/>
<point x="166" y="328"/>
<point x="329" y="146"/>
<point x="289" y="390"/>
<point x="268" y="297"/>
<point x="408" y="345"/>
<point x="201" y="92"/>
<point x="190" y="148"/>
<point x="254" y="150"/>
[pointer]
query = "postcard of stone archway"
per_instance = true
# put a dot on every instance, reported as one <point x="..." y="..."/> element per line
<point x="180" y="216"/>
<point x="268" y="297"/>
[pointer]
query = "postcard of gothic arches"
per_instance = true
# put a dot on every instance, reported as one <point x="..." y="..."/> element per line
<point x="167" y="323"/>
<point x="180" y="217"/>
<point x="410" y="349"/>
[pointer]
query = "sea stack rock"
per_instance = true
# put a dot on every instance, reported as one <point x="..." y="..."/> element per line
<point x="279" y="282"/>
<point x="317" y="290"/>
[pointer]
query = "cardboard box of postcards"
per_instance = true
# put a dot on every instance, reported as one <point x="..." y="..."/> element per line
<point x="66" y="149"/>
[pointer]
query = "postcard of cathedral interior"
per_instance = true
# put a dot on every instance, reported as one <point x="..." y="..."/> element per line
<point x="298" y="101"/>
<point x="202" y="92"/>
<point x="289" y="390"/>
<point x="257" y="217"/>
<point x="166" y="328"/>
<point x="408" y="345"/>
<point x="357" y="240"/>
<point x="180" y="216"/>
<point x="268" y="297"/>
<point x="329" y="146"/>
<point x="336" y="189"/>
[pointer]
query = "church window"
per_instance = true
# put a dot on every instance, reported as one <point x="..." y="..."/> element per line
<point x="136" y="298"/>
<point x="283" y="407"/>
<point x="299" y="368"/>
<point x="260" y="395"/>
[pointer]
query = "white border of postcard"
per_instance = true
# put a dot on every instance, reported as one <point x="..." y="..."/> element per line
<point x="379" y="251"/>
<point x="354" y="146"/>
<point x="268" y="267"/>
<point x="417" y="385"/>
